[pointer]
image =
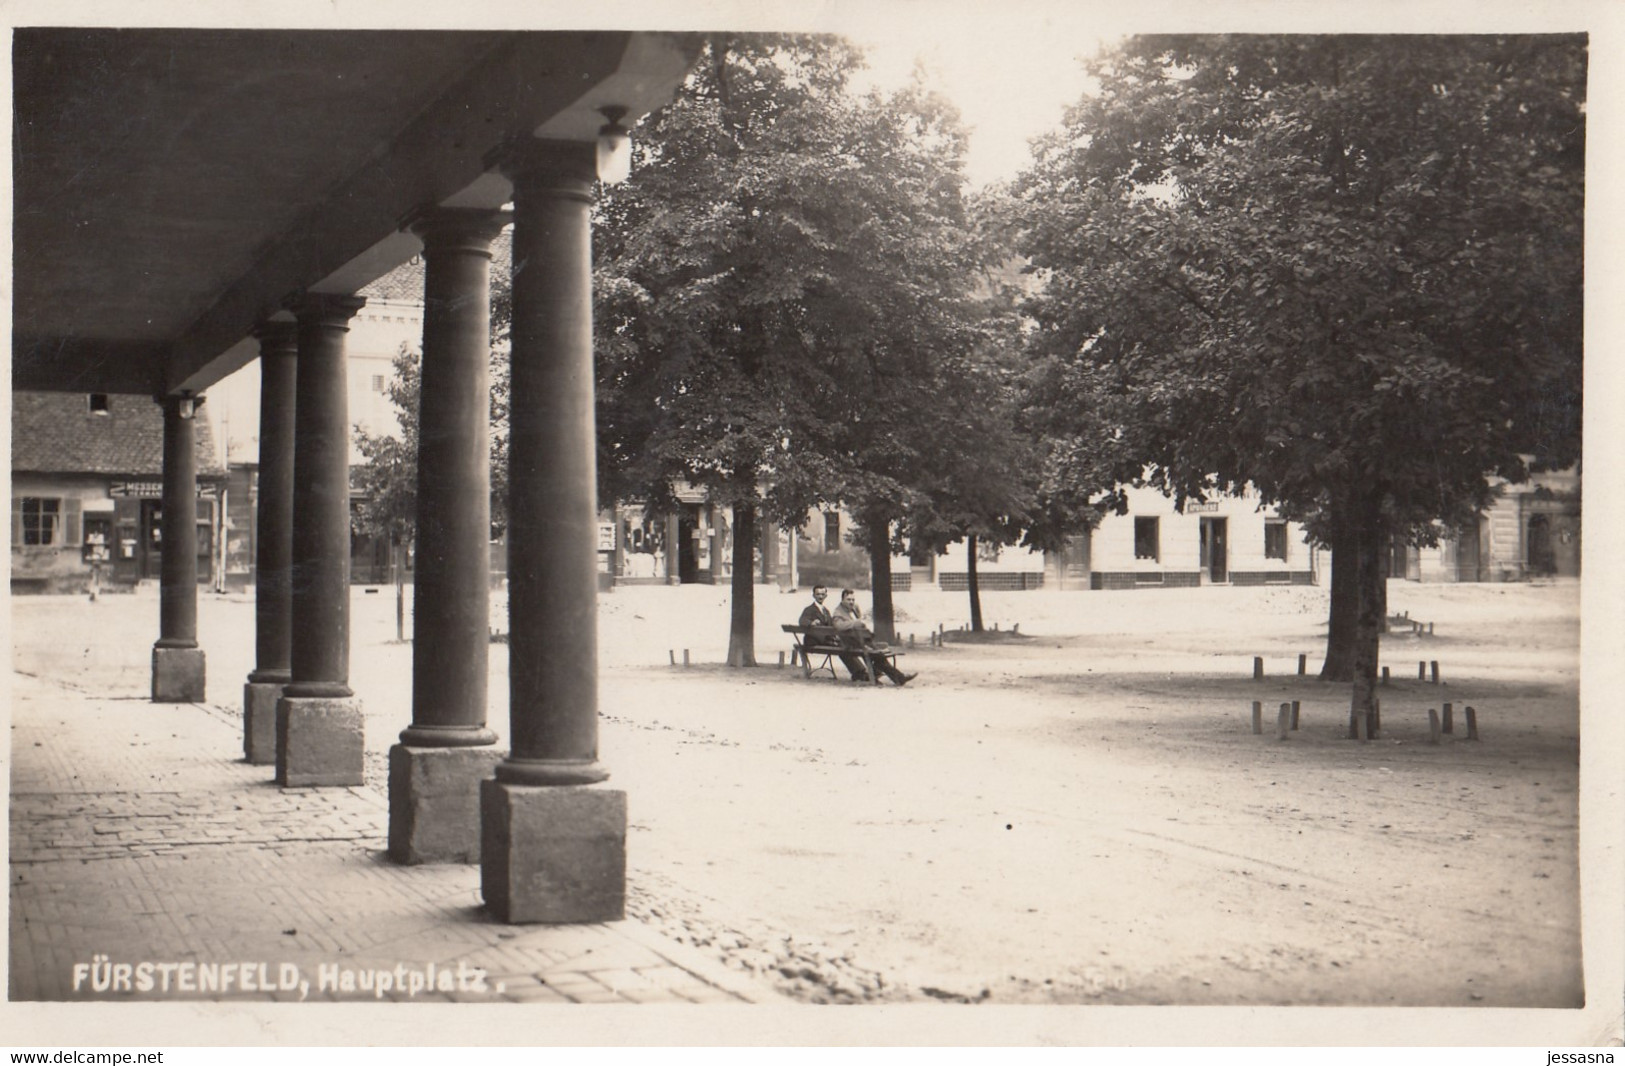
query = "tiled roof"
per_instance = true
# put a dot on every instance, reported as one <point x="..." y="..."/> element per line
<point x="405" y="282"/>
<point x="56" y="433"/>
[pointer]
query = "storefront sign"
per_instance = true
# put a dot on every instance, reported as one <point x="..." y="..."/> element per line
<point x="1211" y="507"/>
<point x="153" y="490"/>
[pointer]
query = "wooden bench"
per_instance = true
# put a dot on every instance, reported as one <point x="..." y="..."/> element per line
<point x="822" y="640"/>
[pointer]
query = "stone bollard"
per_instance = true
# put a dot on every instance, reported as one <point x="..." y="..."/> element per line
<point x="1472" y="724"/>
<point x="1433" y="726"/>
<point x="781" y="660"/>
<point x="1258" y="668"/>
<point x="1449" y="718"/>
<point x="1434" y="666"/>
<point x="1283" y="721"/>
<point x="685" y="656"/>
<point x="1258" y="717"/>
<point x="1385" y="675"/>
<point x="673" y="654"/>
<point x="1303" y="664"/>
<point x="1294" y="714"/>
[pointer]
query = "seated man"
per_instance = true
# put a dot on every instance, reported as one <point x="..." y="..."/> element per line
<point x="855" y="633"/>
<point x="820" y="626"/>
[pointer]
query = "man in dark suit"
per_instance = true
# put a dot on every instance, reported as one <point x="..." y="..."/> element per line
<point x="820" y="625"/>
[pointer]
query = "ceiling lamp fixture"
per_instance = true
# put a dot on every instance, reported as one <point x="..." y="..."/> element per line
<point x="614" y="147"/>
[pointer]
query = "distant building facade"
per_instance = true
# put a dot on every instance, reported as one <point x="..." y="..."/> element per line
<point x="1531" y="531"/>
<point x="86" y="482"/>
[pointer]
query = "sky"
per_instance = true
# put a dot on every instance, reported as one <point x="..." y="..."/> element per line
<point x="1010" y="79"/>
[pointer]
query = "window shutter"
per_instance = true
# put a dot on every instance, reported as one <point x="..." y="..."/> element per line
<point x="16" y="522"/>
<point x="72" y="524"/>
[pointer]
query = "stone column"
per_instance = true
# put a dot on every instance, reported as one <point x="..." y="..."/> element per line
<point x="177" y="661"/>
<point x="553" y="848"/>
<point x="617" y="561"/>
<point x="770" y="550"/>
<point x="674" y="558"/>
<point x="273" y="548"/>
<point x="436" y="769"/>
<point x="318" y="719"/>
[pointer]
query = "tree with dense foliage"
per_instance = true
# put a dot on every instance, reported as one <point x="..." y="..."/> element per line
<point x="773" y="287"/>
<point x="982" y="488"/>
<point x="1344" y="270"/>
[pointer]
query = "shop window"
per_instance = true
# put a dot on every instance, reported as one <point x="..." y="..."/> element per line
<point x="41" y="521"/>
<point x="832" y="531"/>
<point x="1148" y="539"/>
<point x="1275" y="540"/>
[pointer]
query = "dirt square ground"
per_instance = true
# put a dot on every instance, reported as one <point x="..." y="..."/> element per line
<point x="1072" y="810"/>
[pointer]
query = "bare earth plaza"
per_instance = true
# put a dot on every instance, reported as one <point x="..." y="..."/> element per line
<point x="431" y="453"/>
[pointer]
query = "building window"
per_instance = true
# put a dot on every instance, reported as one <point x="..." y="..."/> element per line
<point x="378" y="383"/>
<point x="1275" y="540"/>
<point x="1147" y="539"/>
<point x="42" y="521"/>
<point x="832" y="531"/>
<point x="98" y="403"/>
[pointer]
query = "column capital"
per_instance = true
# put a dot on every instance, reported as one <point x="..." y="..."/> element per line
<point x="563" y="168"/>
<point x="276" y="337"/>
<point x="184" y="403"/>
<point x="325" y="308"/>
<point x="457" y="229"/>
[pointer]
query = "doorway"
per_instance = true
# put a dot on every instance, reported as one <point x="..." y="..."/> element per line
<point x="1542" y="558"/>
<point x="688" y="532"/>
<point x="1468" y="556"/>
<point x="1215" y="561"/>
<point x="1075" y="561"/>
<point x="150" y="560"/>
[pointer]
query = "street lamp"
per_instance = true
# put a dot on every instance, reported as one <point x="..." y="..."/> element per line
<point x="614" y="147"/>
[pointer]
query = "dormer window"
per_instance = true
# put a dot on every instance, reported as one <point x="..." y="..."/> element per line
<point x="98" y="403"/>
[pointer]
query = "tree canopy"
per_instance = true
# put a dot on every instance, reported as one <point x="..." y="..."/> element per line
<point x="1345" y="270"/>
<point x="1305" y="262"/>
<point x="777" y="287"/>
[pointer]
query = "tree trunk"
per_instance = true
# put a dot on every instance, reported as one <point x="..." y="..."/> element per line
<point x="881" y="616"/>
<point x="1345" y="608"/>
<point x="742" y="626"/>
<point x="1368" y="623"/>
<point x="972" y="583"/>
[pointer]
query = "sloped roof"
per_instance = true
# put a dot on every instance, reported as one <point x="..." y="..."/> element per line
<point x="56" y="433"/>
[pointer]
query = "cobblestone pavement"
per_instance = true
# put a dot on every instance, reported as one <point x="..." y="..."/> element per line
<point x="139" y="836"/>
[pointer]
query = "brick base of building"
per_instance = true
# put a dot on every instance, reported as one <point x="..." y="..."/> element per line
<point x="1272" y="577"/>
<point x="998" y="581"/>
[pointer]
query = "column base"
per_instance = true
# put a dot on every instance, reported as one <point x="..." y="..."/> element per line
<point x="319" y="741"/>
<point x="177" y="675"/>
<point x="552" y="854"/>
<point x="434" y="802"/>
<point x="259" y="722"/>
